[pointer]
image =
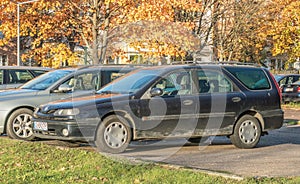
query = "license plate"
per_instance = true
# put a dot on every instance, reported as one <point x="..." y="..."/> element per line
<point x="288" y="89"/>
<point x="40" y="125"/>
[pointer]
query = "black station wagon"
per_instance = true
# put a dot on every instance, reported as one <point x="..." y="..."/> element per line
<point x="190" y="101"/>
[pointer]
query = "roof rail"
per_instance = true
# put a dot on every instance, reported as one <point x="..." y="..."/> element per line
<point x="120" y="65"/>
<point x="218" y="63"/>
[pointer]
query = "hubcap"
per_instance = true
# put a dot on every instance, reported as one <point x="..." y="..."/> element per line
<point x="22" y="126"/>
<point x="248" y="132"/>
<point x="115" y="135"/>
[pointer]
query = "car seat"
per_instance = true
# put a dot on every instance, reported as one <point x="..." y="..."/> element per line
<point x="185" y="85"/>
<point x="214" y="85"/>
<point x="204" y="86"/>
<point x="79" y="83"/>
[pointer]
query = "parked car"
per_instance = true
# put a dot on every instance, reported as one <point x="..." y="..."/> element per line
<point x="17" y="105"/>
<point x="190" y="101"/>
<point x="286" y="79"/>
<point x="291" y="92"/>
<point x="15" y="76"/>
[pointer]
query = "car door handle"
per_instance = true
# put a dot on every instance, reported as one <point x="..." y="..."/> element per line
<point x="236" y="99"/>
<point x="187" y="102"/>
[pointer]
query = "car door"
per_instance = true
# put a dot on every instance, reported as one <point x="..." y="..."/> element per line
<point x="173" y="112"/>
<point x="219" y="103"/>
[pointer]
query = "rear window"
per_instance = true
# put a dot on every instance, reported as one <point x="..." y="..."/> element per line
<point x="252" y="78"/>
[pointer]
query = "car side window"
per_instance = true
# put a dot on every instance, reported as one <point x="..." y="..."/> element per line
<point x="19" y="76"/>
<point x="290" y="80"/>
<point x="213" y="82"/>
<point x="85" y="81"/>
<point x="177" y="83"/>
<point x="254" y="78"/>
<point x="283" y="81"/>
<point x="295" y="79"/>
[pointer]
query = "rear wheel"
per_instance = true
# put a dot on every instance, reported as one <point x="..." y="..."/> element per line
<point x="113" y="134"/>
<point x="247" y="132"/>
<point x="19" y="125"/>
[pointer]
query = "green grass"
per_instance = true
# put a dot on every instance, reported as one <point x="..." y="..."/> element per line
<point x="35" y="162"/>
<point x="292" y="105"/>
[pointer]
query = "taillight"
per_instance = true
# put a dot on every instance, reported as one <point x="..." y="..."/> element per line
<point x="298" y="89"/>
<point x="277" y="86"/>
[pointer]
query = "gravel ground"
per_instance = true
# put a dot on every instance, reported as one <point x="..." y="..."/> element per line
<point x="291" y="114"/>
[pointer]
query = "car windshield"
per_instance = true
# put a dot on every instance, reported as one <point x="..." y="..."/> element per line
<point x="44" y="81"/>
<point x="131" y="82"/>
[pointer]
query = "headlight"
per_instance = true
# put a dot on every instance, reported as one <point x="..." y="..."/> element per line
<point x="66" y="112"/>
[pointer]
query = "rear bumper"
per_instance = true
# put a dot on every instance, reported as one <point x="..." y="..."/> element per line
<point x="293" y="97"/>
<point x="273" y="119"/>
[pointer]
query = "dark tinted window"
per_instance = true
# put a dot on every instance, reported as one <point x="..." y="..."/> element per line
<point x="252" y="78"/>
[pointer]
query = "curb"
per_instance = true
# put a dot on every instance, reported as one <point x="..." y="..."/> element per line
<point x="204" y="171"/>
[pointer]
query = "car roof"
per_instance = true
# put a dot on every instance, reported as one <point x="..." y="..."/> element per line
<point x="188" y="66"/>
<point x="108" y="67"/>
<point x="99" y="67"/>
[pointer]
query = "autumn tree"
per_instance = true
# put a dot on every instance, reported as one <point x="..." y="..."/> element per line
<point x="45" y="33"/>
<point x="235" y="34"/>
<point x="284" y="29"/>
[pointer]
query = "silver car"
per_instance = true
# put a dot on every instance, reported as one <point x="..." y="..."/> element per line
<point x="17" y="105"/>
<point x="15" y="76"/>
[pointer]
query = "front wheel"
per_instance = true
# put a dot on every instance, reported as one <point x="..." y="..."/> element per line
<point x="19" y="125"/>
<point x="247" y="132"/>
<point x="113" y="134"/>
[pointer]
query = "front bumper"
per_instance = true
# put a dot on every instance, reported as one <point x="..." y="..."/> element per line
<point x="75" y="131"/>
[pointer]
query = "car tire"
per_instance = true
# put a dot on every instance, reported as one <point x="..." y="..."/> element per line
<point x="19" y="125"/>
<point x="113" y="134"/>
<point x="247" y="132"/>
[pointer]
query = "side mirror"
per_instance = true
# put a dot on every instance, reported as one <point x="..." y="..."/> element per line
<point x="156" y="92"/>
<point x="64" y="88"/>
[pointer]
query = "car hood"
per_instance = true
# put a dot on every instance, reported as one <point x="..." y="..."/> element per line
<point x="15" y="93"/>
<point x="83" y="101"/>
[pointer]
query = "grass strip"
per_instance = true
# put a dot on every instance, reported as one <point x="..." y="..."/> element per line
<point x="36" y="162"/>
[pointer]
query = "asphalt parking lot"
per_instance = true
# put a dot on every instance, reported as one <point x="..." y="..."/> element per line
<point x="277" y="154"/>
